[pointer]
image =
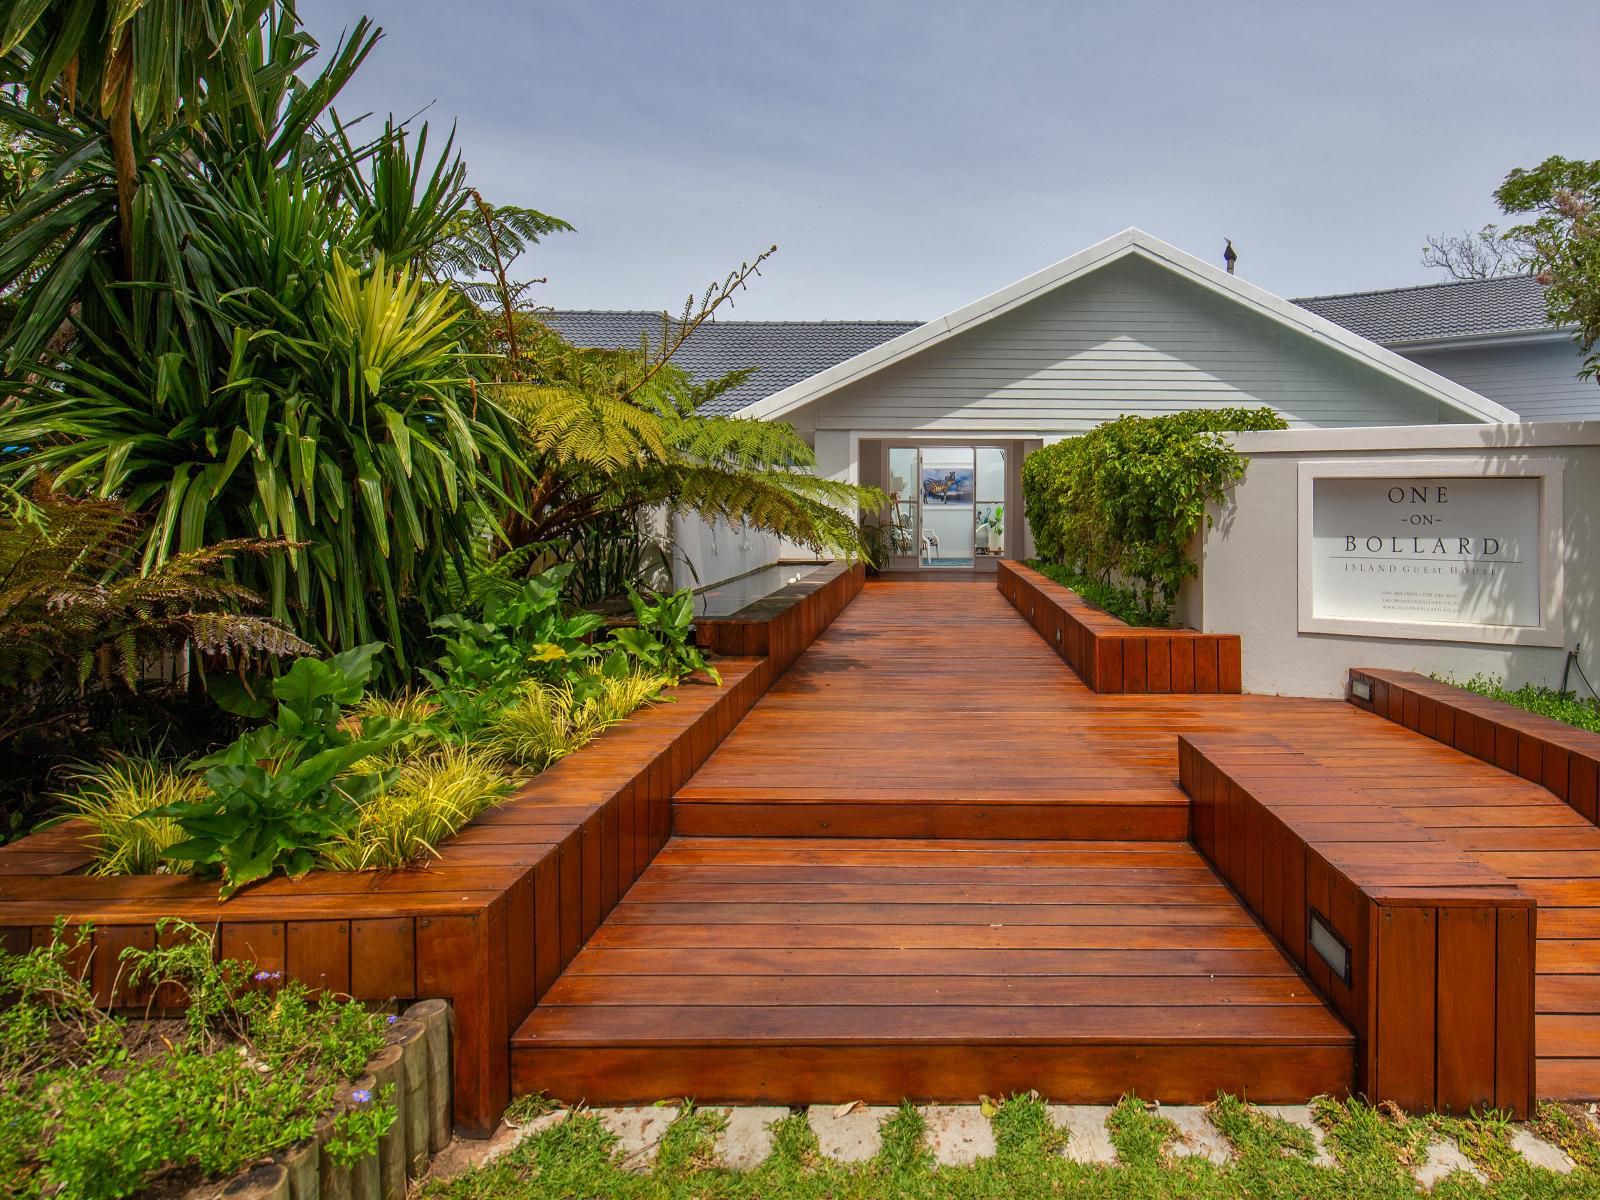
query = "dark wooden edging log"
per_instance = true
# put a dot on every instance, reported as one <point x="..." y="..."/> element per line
<point x="1440" y="983"/>
<point x="487" y="926"/>
<point x="782" y="625"/>
<point x="1113" y="657"/>
<point x="1563" y="760"/>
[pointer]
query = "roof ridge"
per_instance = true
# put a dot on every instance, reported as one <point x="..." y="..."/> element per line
<point x="1415" y="287"/>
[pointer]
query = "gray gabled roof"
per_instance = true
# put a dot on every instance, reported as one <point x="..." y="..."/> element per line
<point x="783" y="352"/>
<point x="1439" y="311"/>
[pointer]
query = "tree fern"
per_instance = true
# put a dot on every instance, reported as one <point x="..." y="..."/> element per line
<point x="73" y="603"/>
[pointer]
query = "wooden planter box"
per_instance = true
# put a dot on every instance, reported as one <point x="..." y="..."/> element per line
<point x="1113" y="657"/>
<point x="487" y="926"/>
<point x="782" y="625"/>
<point x="1439" y="949"/>
<point x="1563" y="760"/>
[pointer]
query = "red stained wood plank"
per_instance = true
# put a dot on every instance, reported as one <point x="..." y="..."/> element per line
<point x="1405" y="1034"/>
<point x="1158" y="670"/>
<point x="1515" y="1078"/>
<point x="318" y="954"/>
<point x="383" y="958"/>
<point x="1467" y="990"/>
<point x="257" y="944"/>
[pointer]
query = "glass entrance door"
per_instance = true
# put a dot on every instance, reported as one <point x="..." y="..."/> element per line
<point x="947" y="489"/>
<point x="947" y="504"/>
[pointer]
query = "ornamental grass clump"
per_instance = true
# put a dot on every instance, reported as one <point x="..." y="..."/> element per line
<point x="434" y="796"/>
<point x="116" y="801"/>
<point x="545" y="722"/>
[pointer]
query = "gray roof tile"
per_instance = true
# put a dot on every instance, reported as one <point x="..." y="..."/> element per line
<point x="783" y="352"/>
<point x="1460" y="308"/>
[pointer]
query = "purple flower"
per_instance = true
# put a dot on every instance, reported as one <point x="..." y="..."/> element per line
<point x="265" y="976"/>
<point x="361" y="1096"/>
<point x="393" y="1018"/>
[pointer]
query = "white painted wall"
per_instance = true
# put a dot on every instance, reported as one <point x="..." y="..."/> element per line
<point x="1130" y="337"/>
<point x="717" y="551"/>
<point x="1249" y="580"/>
<point x="1535" y="378"/>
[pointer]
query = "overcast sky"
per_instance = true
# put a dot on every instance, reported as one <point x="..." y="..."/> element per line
<point x="909" y="157"/>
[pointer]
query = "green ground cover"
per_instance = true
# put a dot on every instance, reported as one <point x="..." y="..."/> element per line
<point x="1547" y="702"/>
<point x="1376" y="1152"/>
<point x="1121" y="602"/>
<point x="98" y="1107"/>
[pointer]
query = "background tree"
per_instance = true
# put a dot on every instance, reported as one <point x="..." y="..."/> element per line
<point x="1562" y="198"/>
<point x="1487" y="254"/>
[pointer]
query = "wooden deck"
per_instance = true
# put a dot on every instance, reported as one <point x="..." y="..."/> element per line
<point x="930" y="862"/>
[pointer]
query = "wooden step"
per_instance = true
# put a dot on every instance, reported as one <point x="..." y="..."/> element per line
<point x="695" y="813"/>
<point x="798" y="971"/>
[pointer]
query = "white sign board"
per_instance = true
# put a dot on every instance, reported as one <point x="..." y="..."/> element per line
<point x="1458" y="557"/>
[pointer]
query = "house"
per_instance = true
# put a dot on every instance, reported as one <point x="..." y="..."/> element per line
<point x="1491" y="335"/>
<point x="941" y="414"/>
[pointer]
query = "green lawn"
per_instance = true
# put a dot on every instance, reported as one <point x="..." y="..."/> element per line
<point x="1375" y="1151"/>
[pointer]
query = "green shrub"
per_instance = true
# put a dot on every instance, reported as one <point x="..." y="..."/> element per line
<point x="118" y="799"/>
<point x="1547" y="702"/>
<point x="1117" y="599"/>
<point x="286" y="789"/>
<point x="95" y="1107"/>
<point x="1125" y="499"/>
<point x="662" y="641"/>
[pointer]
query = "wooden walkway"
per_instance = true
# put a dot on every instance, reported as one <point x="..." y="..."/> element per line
<point x="931" y="863"/>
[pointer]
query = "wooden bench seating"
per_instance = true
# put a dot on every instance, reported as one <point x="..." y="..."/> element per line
<point x="1563" y="760"/>
<point x="1113" y="657"/>
<point x="1439" y="986"/>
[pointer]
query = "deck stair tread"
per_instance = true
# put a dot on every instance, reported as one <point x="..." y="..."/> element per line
<point x="929" y="814"/>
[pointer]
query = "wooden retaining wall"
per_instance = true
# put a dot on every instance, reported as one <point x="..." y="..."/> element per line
<point x="1113" y="657"/>
<point x="779" y="627"/>
<point x="1441" y="948"/>
<point x="1563" y="760"/>
<point x="488" y="925"/>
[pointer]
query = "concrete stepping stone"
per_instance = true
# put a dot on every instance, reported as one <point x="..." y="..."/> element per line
<point x="639" y="1132"/>
<point x="848" y="1136"/>
<point x="1197" y="1136"/>
<point x="1300" y="1115"/>
<point x="1443" y="1159"/>
<point x="1540" y="1152"/>
<point x="745" y="1141"/>
<point x="1088" y="1140"/>
<point x="957" y="1134"/>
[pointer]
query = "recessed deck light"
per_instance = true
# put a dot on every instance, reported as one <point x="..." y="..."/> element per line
<point x="1333" y="949"/>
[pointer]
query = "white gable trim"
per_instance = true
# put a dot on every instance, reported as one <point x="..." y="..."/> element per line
<point x="1130" y="242"/>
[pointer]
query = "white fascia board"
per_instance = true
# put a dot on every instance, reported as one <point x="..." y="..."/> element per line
<point x="937" y="330"/>
<point x="1129" y="241"/>
<point x="1474" y="341"/>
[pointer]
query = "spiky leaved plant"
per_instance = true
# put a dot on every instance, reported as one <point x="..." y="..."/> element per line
<point x="113" y="800"/>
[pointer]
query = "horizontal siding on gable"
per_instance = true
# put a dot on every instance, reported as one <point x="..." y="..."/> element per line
<point x="1537" y="380"/>
<point x="1129" y="338"/>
